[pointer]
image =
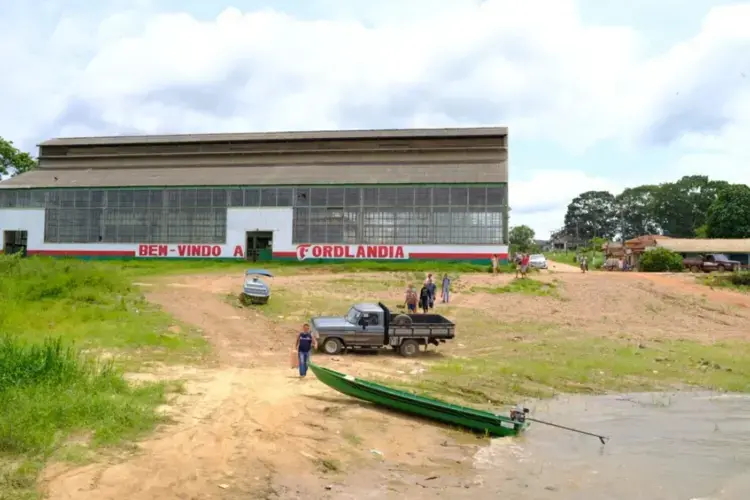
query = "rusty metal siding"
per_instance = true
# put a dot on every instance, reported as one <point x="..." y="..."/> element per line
<point x="486" y="173"/>
<point x="448" y="156"/>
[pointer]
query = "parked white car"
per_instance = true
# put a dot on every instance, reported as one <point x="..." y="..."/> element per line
<point x="538" y="261"/>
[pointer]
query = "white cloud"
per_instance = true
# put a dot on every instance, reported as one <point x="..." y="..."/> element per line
<point x="532" y="65"/>
<point x="541" y="200"/>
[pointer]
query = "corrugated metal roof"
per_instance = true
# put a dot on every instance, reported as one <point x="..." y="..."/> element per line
<point x="705" y="245"/>
<point x="261" y="175"/>
<point x="280" y="136"/>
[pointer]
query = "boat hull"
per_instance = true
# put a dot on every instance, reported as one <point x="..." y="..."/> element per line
<point x="461" y="416"/>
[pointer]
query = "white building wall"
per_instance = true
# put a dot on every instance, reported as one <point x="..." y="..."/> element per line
<point x="239" y="222"/>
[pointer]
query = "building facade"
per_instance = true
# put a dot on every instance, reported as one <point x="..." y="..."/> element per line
<point x="385" y="195"/>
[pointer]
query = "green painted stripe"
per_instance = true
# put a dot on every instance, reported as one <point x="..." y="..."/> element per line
<point x="248" y="186"/>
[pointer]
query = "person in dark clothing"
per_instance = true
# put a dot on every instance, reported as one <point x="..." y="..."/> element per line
<point x="306" y="342"/>
<point x="424" y="298"/>
<point x="432" y="288"/>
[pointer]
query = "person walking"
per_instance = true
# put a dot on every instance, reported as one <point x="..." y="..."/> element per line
<point x="306" y="342"/>
<point x="446" y="289"/>
<point x="494" y="263"/>
<point x="412" y="299"/>
<point x="424" y="298"/>
<point x="517" y="258"/>
<point x="432" y="288"/>
<point x="584" y="264"/>
<point x="525" y="264"/>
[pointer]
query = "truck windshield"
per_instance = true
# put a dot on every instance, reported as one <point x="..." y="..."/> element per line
<point x="353" y="316"/>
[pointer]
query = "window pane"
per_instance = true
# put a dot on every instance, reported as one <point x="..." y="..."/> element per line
<point x="459" y="196"/>
<point x="219" y="198"/>
<point x="496" y="195"/>
<point x="155" y="198"/>
<point x="477" y="196"/>
<point x="140" y="198"/>
<point x="7" y="198"/>
<point x="441" y="196"/>
<point x="352" y="197"/>
<point x="423" y="196"/>
<point x="203" y="198"/>
<point x="335" y="197"/>
<point x="370" y="197"/>
<point x="268" y="197"/>
<point x="318" y="197"/>
<point x="252" y="197"/>
<point x="284" y="197"/>
<point x="405" y="197"/>
<point x="387" y="197"/>
<point x="235" y="198"/>
<point x="302" y="197"/>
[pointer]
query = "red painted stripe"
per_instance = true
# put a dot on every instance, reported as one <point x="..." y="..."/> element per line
<point x="424" y="255"/>
<point x="458" y="256"/>
<point x="83" y="253"/>
<point x="285" y="254"/>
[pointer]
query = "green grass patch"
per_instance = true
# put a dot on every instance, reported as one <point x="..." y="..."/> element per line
<point x="738" y="281"/>
<point x="596" y="259"/>
<point x="50" y="394"/>
<point x="92" y="304"/>
<point x="57" y="403"/>
<point x="143" y="268"/>
<point x="524" y="286"/>
<point x="508" y="362"/>
<point x="288" y="305"/>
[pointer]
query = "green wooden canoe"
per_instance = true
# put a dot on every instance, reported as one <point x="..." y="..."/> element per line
<point x="461" y="416"/>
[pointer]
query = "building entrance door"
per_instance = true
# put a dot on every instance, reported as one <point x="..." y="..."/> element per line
<point x="15" y="242"/>
<point x="259" y="245"/>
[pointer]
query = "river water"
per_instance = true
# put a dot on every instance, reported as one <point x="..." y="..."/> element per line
<point x="678" y="446"/>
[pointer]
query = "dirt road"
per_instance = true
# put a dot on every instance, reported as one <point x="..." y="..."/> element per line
<point x="248" y="427"/>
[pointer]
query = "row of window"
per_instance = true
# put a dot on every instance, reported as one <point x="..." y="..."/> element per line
<point x="116" y="225"/>
<point x="422" y="196"/>
<point x="310" y="225"/>
<point x="383" y="226"/>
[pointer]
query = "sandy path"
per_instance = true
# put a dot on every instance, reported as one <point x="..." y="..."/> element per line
<point x="559" y="267"/>
<point x="249" y="428"/>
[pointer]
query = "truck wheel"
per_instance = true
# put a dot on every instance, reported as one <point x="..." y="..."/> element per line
<point x="332" y="346"/>
<point x="402" y="320"/>
<point x="409" y="348"/>
<point x="722" y="269"/>
<point x="694" y="269"/>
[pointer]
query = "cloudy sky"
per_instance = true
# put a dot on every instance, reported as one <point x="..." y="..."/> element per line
<point x="598" y="94"/>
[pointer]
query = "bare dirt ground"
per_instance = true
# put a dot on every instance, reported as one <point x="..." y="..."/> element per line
<point x="248" y="427"/>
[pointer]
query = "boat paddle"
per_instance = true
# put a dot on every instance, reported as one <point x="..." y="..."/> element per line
<point x="603" y="439"/>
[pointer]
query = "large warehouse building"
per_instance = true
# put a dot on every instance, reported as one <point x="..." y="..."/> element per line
<point x="376" y="194"/>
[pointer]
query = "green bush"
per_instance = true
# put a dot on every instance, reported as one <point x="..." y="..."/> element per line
<point x="741" y="279"/>
<point x="661" y="260"/>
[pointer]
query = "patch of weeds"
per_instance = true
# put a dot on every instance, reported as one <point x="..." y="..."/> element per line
<point x="546" y="365"/>
<point x="50" y="392"/>
<point x="89" y="304"/>
<point x="352" y="439"/>
<point x="287" y="305"/>
<point x="524" y="286"/>
<point x="328" y="465"/>
<point x="738" y="281"/>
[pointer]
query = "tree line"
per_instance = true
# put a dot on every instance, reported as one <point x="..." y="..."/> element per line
<point x="13" y="161"/>
<point x="692" y="207"/>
